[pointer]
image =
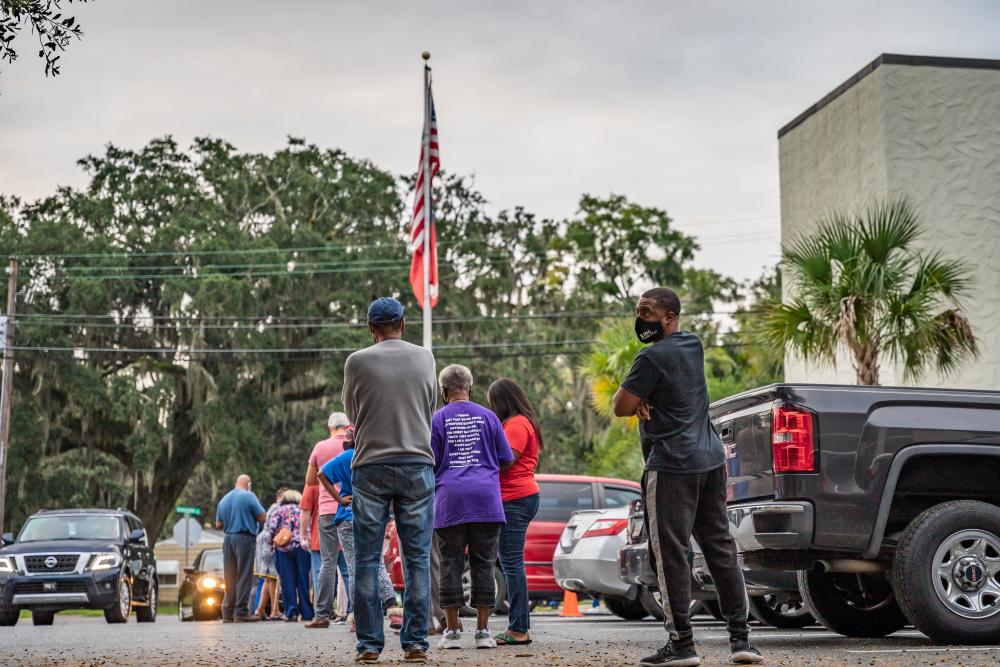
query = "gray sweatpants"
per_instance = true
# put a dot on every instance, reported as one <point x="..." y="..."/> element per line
<point x="345" y="532"/>
<point x="676" y="506"/>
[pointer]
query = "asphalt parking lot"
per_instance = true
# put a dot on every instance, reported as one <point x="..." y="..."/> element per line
<point x="592" y="640"/>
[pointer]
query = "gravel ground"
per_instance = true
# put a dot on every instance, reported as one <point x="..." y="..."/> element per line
<point x="592" y="640"/>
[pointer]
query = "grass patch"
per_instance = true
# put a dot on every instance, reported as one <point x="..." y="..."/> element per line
<point x="165" y="609"/>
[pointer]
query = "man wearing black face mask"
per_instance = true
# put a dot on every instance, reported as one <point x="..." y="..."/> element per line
<point x="684" y="484"/>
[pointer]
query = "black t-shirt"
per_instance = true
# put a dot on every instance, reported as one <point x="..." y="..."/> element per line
<point x="670" y="375"/>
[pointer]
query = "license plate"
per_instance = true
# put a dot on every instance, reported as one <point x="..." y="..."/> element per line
<point x="49" y="586"/>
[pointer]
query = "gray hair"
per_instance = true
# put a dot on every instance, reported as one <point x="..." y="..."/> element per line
<point x="455" y="377"/>
<point x="338" y="420"/>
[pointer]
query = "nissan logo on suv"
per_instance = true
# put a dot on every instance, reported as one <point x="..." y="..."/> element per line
<point x="50" y="562"/>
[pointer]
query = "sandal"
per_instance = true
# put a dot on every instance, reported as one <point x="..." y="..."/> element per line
<point x="505" y="638"/>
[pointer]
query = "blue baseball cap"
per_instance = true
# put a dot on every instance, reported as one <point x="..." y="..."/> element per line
<point x="385" y="310"/>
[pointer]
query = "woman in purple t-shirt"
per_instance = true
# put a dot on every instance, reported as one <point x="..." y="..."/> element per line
<point x="470" y="450"/>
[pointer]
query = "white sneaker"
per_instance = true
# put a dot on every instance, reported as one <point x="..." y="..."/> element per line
<point x="451" y="639"/>
<point x="484" y="639"/>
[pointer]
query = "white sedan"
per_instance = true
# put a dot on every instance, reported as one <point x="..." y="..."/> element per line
<point x="586" y="560"/>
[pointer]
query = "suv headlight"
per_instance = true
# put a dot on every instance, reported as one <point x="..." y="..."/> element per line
<point x="7" y="565"/>
<point x="209" y="583"/>
<point x="105" y="562"/>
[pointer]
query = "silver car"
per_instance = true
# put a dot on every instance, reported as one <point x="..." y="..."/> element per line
<point x="586" y="560"/>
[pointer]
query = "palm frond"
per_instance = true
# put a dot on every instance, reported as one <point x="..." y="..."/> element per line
<point x="794" y="326"/>
<point x="949" y="278"/>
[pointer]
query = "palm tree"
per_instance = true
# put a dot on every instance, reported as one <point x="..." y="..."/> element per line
<point x="859" y="282"/>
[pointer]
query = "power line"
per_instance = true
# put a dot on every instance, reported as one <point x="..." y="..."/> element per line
<point x="318" y="322"/>
<point x="327" y="248"/>
<point x="280" y="350"/>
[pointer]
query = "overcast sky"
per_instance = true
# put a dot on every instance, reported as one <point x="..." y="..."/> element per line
<point x="674" y="104"/>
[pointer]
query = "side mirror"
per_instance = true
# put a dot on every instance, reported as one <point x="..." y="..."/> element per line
<point x="136" y="536"/>
<point x="190" y="569"/>
<point x="8" y="538"/>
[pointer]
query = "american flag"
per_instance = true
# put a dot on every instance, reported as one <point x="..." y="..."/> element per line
<point x="423" y="219"/>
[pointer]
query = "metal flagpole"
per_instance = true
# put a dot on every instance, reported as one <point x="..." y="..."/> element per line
<point x="427" y="201"/>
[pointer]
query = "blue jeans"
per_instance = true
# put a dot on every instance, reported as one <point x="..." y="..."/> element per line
<point x="315" y="561"/>
<point x="519" y="514"/>
<point x="293" y="569"/>
<point x="409" y="489"/>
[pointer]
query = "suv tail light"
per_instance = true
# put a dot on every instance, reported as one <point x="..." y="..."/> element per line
<point x="603" y="527"/>
<point x="792" y="444"/>
<point x="635" y="523"/>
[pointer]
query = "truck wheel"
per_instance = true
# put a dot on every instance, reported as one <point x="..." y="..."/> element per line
<point x="147" y="614"/>
<point x="630" y="610"/>
<point x="42" y="617"/>
<point x="650" y="601"/>
<point x="947" y="572"/>
<point x="781" y="610"/>
<point x="501" y="608"/>
<point x="122" y="609"/>
<point x="714" y="609"/>
<point x="853" y="605"/>
<point x="9" y="617"/>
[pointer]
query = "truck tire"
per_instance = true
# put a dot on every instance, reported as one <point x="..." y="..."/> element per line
<point x="9" y="617"/>
<point x="853" y="605"/>
<point x="714" y="609"/>
<point x="650" y="601"/>
<point x="781" y="610"/>
<point x="502" y="607"/>
<point x="122" y="608"/>
<point x="147" y="614"/>
<point x="630" y="610"/>
<point x="947" y="572"/>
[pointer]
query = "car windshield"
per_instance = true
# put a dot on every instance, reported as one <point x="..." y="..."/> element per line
<point x="212" y="560"/>
<point x="71" y="527"/>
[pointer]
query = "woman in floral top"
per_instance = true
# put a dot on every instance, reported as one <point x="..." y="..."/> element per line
<point x="291" y="560"/>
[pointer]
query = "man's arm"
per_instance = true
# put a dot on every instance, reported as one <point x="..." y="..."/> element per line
<point x="627" y="404"/>
<point x="347" y="393"/>
<point x="311" y="475"/>
<point x="641" y="383"/>
<point x="218" y="524"/>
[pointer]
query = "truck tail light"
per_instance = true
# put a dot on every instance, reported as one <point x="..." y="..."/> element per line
<point x="792" y="444"/>
<point x="603" y="527"/>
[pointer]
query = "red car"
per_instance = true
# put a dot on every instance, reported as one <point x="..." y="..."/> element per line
<point x="561" y="495"/>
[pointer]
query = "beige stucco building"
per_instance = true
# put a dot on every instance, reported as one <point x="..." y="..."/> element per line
<point x="924" y="128"/>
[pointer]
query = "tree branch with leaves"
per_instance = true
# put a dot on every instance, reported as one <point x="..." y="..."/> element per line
<point x="45" y="20"/>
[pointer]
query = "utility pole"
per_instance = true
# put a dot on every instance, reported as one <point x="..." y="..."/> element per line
<point x="8" y="382"/>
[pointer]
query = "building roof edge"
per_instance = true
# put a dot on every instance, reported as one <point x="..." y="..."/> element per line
<point x="888" y="59"/>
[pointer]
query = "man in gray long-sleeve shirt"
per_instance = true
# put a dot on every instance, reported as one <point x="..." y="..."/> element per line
<point x="390" y="392"/>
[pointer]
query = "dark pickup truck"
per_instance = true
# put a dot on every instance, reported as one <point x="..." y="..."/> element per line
<point x="885" y="500"/>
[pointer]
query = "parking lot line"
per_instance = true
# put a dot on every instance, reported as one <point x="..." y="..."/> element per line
<point x="925" y="650"/>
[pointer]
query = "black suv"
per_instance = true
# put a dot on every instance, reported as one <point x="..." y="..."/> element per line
<point x="78" y="559"/>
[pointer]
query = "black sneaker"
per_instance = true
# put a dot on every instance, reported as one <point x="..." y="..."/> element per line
<point x="743" y="653"/>
<point x="673" y="655"/>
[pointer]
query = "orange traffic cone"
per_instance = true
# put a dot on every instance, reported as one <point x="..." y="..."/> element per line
<point x="570" y="608"/>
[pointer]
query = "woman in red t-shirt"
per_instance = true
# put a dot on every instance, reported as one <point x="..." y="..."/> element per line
<point x="519" y="493"/>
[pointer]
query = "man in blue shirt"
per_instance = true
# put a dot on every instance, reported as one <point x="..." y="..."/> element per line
<point x="239" y="514"/>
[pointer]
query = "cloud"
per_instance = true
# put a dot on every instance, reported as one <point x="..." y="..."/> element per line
<point x="675" y="104"/>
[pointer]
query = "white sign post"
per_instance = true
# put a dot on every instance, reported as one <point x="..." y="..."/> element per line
<point x="187" y="531"/>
